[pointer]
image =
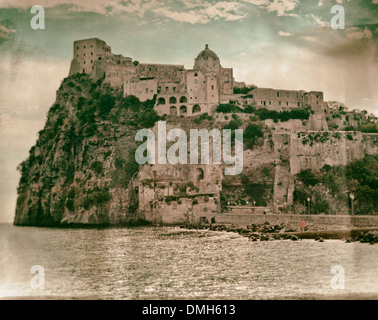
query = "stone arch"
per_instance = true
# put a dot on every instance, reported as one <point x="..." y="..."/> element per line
<point x="199" y="175"/>
<point x="173" y="111"/>
<point x="161" y="101"/>
<point x="172" y="100"/>
<point x="183" y="110"/>
<point x="183" y="99"/>
<point x="196" y="108"/>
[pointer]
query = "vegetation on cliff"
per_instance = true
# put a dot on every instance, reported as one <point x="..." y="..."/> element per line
<point x="265" y="114"/>
<point x="329" y="190"/>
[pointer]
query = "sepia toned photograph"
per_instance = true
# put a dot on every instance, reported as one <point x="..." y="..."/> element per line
<point x="192" y="150"/>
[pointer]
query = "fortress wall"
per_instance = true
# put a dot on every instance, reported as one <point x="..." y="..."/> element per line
<point x="227" y="117"/>
<point x="371" y="143"/>
<point x="183" y="212"/>
<point x="292" y="124"/>
<point x="115" y="74"/>
<point x="338" y="148"/>
<point x="315" y="220"/>
<point x="143" y="89"/>
<point x="277" y="99"/>
<point x="164" y="72"/>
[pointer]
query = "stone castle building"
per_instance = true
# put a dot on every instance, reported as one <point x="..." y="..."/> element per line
<point x="180" y="91"/>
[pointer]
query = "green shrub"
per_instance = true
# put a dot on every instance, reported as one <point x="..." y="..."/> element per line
<point x="190" y="184"/>
<point x="296" y="113"/>
<point x="251" y="134"/>
<point x="105" y="103"/>
<point x="369" y="128"/>
<point x="249" y="109"/>
<point x="96" y="197"/>
<point x="71" y="193"/>
<point x="96" y="166"/>
<point x="147" y="118"/>
<point x="228" y="108"/>
<point x="233" y="125"/>
<point x="81" y="101"/>
<point x="254" y="118"/>
<point x="308" y="177"/>
<point x="244" y="179"/>
<point x="244" y="90"/>
<point x="131" y="102"/>
<point x="69" y="204"/>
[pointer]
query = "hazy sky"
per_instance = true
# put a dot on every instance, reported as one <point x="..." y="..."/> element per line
<point x="271" y="43"/>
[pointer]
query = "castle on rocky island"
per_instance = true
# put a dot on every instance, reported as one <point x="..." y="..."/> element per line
<point x="296" y="148"/>
<point x="180" y="91"/>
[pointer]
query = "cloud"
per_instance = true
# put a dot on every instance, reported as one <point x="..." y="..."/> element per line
<point x="309" y="38"/>
<point x="196" y="11"/>
<point x="358" y="34"/>
<point x="281" y="7"/>
<point x="204" y="12"/>
<point x="96" y="6"/>
<point x="318" y="20"/>
<point x="284" y="34"/>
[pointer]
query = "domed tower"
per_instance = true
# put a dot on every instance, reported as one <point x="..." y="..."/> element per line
<point x="207" y="61"/>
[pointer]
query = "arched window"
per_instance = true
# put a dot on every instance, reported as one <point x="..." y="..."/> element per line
<point x="199" y="175"/>
<point x="196" y="74"/>
<point x="172" y="100"/>
<point x="183" y="100"/>
<point x="183" y="110"/>
<point x="196" y="108"/>
<point x="173" y="111"/>
<point x="161" y="101"/>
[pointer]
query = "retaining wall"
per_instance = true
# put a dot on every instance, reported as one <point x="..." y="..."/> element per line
<point x="347" y="221"/>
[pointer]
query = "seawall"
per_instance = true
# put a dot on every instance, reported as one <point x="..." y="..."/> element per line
<point x="314" y="220"/>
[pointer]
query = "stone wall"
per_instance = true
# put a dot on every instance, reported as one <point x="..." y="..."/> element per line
<point x="183" y="211"/>
<point x="143" y="88"/>
<point x="315" y="220"/>
<point x="163" y="72"/>
<point x="313" y="150"/>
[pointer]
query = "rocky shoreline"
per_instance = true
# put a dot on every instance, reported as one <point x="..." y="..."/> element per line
<point x="268" y="232"/>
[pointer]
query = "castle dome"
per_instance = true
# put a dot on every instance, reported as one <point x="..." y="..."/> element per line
<point x="206" y="54"/>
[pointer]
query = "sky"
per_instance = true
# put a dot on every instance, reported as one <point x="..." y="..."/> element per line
<point x="270" y="43"/>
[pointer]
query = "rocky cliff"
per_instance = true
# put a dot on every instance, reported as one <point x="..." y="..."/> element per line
<point x="81" y="169"/>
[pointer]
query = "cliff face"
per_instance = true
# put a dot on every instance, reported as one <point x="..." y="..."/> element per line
<point x="81" y="169"/>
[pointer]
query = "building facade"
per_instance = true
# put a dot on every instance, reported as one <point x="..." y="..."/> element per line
<point x="180" y="91"/>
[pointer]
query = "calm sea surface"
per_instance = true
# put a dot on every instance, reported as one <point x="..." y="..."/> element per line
<point x="173" y="263"/>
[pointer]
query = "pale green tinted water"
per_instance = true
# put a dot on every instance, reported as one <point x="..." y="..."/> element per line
<point x="170" y="263"/>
